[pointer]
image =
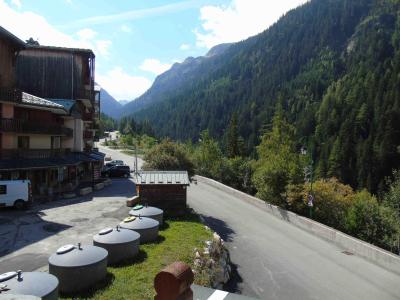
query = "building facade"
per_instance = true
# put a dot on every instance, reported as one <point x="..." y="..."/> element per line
<point x="49" y="109"/>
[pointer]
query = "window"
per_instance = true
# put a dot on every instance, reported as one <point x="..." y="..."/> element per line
<point x="55" y="142"/>
<point x="23" y="142"/>
<point x="3" y="189"/>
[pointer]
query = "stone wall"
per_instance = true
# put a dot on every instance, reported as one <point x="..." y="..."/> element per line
<point x="213" y="260"/>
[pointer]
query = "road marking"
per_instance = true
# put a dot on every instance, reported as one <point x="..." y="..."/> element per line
<point x="218" y="295"/>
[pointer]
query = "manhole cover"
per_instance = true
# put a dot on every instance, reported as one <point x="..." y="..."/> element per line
<point x="52" y="227"/>
<point x="347" y="253"/>
<point x="77" y="220"/>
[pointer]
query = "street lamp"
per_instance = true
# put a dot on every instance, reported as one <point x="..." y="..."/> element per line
<point x="308" y="177"/>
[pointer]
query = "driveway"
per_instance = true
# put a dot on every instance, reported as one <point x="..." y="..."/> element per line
<point x="276" y="260"/>
<point x="28" y="238"/>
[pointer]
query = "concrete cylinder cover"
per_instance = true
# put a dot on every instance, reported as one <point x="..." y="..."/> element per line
<point x="146" y="227"/>
<point x="147" y="211"/>
<point x="78" y="267"/>
<point x="39" y="284"/>
<point x="120" y="243"/>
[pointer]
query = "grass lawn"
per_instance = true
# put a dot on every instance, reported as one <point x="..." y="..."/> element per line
<point x="134" y="280"/>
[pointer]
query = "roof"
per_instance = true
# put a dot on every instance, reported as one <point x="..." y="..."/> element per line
<point x="5" y="33"/>
<point x="62" y="49"/>
<point x="162" y="177"/>
<point x="66" y="103"/>
<point x="37" y="101"/>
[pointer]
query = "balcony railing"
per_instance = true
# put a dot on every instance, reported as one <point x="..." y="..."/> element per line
<point x="32" y="153"/>
<point x="85" y="94"/>
<point x="87" y="116"/>
<point x="87" y="134"/>
<point x="24" y="126"/>
<point x="10" y="95"/>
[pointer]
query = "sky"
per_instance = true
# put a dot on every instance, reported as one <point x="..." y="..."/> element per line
<point x="136" y="40"/>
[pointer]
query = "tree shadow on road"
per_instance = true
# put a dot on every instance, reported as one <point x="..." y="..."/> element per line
<point x="220" y="227"/>
<point x="232" y="286"/>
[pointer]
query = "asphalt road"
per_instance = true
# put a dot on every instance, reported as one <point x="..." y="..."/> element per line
<point x="117" y="155"/>
<point x="276" y="260"/>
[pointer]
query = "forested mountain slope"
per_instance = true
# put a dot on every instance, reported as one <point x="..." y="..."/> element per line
<point x="334" y="65"/>
<point x="109" y="105"/>
<point x="179" y="76"/>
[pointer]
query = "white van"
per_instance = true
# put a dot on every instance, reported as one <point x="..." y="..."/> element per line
<point x="16" y="193"/>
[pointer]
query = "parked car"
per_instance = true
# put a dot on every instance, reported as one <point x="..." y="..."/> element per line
<point x="116" y="171"/>
<point x="16" y="193"/>
<point x="114" y="163"/>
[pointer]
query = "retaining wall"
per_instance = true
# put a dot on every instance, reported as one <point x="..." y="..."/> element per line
<point x="372" y="253"/>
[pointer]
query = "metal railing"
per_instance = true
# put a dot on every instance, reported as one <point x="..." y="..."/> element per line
<point x="32" y="153"/>
<point x="87" y="134"/>
<point x="25" y="126"/>
<point x="10" y="95"/>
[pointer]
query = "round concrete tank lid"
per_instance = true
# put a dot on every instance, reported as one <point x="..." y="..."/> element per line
<point x="37" y="284"/>
<point x="139" y="223"/>
<point x="78" y="256"/>
<point x="18" y="297"/>
<point x="116" y="236"/>
<point x="146" y="211"/>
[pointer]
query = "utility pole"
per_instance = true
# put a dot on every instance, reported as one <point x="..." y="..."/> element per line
<point x="136" y="160"/>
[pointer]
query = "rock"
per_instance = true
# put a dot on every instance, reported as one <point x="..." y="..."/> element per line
<point x="197" y="255"/>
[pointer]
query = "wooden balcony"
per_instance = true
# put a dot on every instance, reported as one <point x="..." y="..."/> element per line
<point x="23" y="126"/>
<point x="87" y="134"/>
<point x="87" y="116"/>
<point x="32" y="153"/>
<point x="10" y="95"/>
<point x="85" y="94"/>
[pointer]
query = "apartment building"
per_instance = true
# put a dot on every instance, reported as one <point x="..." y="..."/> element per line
<point x="49" y="109"/>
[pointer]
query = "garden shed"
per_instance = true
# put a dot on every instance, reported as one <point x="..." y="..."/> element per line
<point x="163" y="189"/>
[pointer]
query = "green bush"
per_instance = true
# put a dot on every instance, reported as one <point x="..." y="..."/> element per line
<point x="371" y="222"/>
<point x="332" y="199"/>
<point x="392" y="196"/>
<point x="168" y="156"/>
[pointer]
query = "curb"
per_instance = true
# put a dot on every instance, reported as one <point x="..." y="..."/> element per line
<point x="363" y="249"/>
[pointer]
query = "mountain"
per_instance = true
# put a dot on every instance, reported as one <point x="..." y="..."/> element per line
<point x="177" y="77"/>
<point x="108" y="105"/>
<point x="123" y="102"/>
<point x="332" y="65"/>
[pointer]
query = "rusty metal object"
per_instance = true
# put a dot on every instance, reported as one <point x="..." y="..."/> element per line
<point x="173" y="282"/>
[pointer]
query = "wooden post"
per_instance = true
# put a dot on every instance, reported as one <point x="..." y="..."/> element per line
<point x="173" y="282"/>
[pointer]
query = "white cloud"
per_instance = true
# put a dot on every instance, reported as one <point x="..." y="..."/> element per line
<point x="86" y="34"/>
<point x="17" y="3"/>
<point x="137" y="14"/>
<point x="26" y="24"/>
<point x="239" y="20"/>
<point x="154" y="66"/>
<point x="125" y="28"/>
<point x="184" y="47"/>
<point x="123" y="86"/>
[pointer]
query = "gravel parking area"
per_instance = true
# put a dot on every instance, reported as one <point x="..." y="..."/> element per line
<point x="28" y="238"/>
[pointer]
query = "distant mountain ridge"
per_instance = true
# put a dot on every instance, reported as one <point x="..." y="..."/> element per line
<point x="109" y="105"/>
<point x="175" y="78"/>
